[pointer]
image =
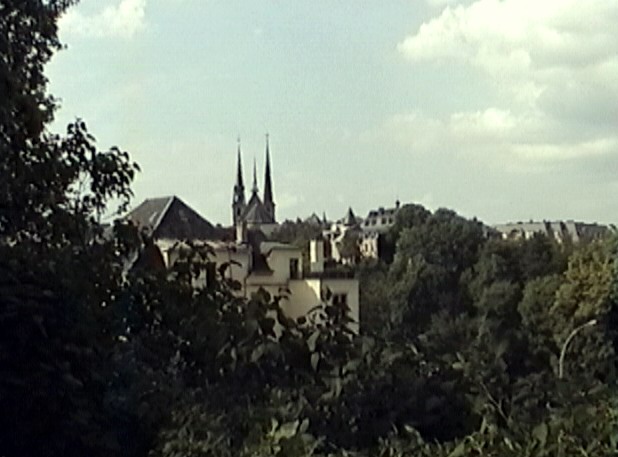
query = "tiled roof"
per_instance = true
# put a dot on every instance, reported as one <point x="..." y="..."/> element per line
<point x="171" y="218"/>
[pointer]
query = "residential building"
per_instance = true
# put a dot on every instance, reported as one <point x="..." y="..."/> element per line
<point x="374" y="227"/>
<point x="342" y="234"/>
<point x="253" y="262"/>
<point x="557" y="230"/>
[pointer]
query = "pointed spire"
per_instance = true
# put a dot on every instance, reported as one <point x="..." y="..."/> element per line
<point x="350" y="218"/>
<point x="239" y="180"/>
<point x="238" y="198"/>
<point x="255" y="185"/>
<point x="268" y="187"/>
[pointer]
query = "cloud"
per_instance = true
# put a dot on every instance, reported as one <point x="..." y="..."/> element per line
<point x="287" y="201"/>
<point x="551" y="71"/>
<point x="493" y="138"/>
<point x="122" y="20"/>
<point x="441" y="3"/>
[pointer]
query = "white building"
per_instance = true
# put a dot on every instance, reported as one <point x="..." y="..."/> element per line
<point x="254" y="262"/>
<point x="335" y="235"/>
<point x="558" y="230"/>
<point x="375" y="226"/>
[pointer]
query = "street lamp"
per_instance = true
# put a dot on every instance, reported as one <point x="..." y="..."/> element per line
<point x="590" y="323"/>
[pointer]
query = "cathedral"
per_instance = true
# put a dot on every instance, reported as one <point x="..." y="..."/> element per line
<point x="256" y="213"/>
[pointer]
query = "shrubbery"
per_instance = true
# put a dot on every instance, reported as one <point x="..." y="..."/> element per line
<point x="458" y="355"/>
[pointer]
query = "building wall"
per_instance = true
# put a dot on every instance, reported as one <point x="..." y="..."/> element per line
<point x="370" y="247"/>
<point x="302" y="294"/>
<point x="279" y="261"/>
<point x="558" y="230"/>
<point x="239" y="259"/>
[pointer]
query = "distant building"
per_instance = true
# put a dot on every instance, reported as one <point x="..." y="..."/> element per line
<point x="375" y="226"/>
<point x="254" y="262"/>
<point x="557" y="230"/>
<point x="316" y="221"/>
<point x="340" y="234"/>
<point x="257" y="213"/>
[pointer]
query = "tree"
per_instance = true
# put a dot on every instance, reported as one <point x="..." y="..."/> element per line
<point x="59" y="274"/>
<point x="586" y="294"/>
<point x="408" y="216"/>
<point x="429" y="263"/>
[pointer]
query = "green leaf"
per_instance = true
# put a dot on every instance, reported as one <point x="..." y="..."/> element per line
<point x="312" y="340"/>
<point x="540" y="433"/>
<point x="315" y="359"/>
<point x="459" y="450"/>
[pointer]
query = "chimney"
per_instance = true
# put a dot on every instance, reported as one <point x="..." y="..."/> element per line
<point x="316" y="255"/>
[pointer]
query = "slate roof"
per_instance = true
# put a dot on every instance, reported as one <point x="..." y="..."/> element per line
<point x="171" y="218"/>
<point x="314" y="219"/>
<point x="350" y="218"/>
<point x="380" y="220"/>
<point x="256" y="212"/>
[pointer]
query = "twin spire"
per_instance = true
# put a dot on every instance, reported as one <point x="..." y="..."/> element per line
<point x="265" y="207"/>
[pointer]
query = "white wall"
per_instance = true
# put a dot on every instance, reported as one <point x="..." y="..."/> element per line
<point x="303" y="294"/>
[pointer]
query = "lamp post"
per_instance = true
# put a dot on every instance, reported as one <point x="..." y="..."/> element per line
<point x="590" y="323"/>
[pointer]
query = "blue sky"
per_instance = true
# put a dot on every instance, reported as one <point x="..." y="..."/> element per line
<point x="501" y="109"/>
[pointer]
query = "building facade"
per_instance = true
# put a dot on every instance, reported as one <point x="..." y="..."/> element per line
<point x="374" y="227"/>
<point x="558" y="230"/>
<point x="277" y="268"/>
<point x="253" y="261"/>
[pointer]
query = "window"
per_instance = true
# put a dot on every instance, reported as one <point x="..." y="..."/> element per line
<point x="340" y="299"/>
<point x="294" y="271"/>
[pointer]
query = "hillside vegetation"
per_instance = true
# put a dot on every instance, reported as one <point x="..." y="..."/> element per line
<point x="462" y="352"/>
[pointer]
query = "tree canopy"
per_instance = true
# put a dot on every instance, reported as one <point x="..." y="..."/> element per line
<point x="469" y="345"/>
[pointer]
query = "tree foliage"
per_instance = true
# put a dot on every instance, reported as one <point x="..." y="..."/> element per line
<point x="458" y="354"/>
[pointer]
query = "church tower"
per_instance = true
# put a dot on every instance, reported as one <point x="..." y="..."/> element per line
<point x="269" y="203"/>
<point x="238" y="199"/>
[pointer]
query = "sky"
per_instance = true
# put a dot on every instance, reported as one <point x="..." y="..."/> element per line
<point x="504" y="110"/>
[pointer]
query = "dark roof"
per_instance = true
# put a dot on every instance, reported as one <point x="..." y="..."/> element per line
<point x="256" y="212"/>
<point x="380" y="220"/>
<point x="350" y="218"/>
<point x="171" y="218"/>
<point x="314" y="219"/>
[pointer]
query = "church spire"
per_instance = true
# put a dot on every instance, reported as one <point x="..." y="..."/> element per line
<point x="239" y="181"/>
<point x="269" y="204"/>
<point x="238" y="198"/>
<point x="255" y="185"/>
<point x="268" y="187"/>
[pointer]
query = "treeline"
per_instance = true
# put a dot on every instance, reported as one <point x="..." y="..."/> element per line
<point x="460" y="352"/>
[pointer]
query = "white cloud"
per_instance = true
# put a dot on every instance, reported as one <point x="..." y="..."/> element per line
<point x="122" y="20"/>
<point x="494" y="138"/>
<point x="287" y="201"/>
<point x="552" y="66"/>
<point x="441" y="3"/>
